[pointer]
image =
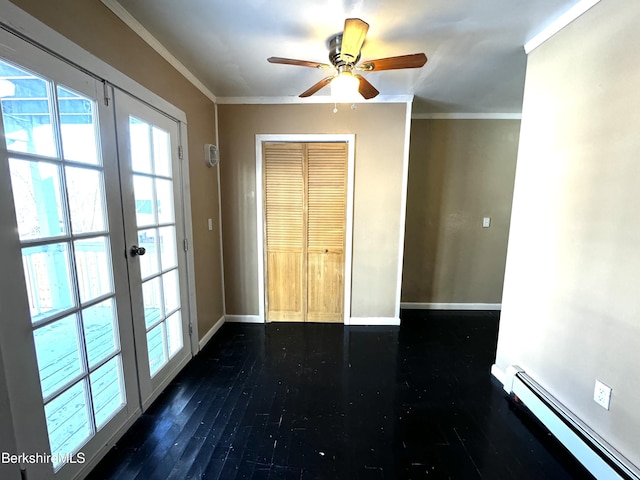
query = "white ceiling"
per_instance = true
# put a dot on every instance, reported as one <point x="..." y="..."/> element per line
<point x="475" y="47"/>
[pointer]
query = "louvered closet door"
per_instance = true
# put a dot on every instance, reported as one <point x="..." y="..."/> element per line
<point x="326" y="198"/>
<point x="285" y="231"/>
<point x="305" y="216"/>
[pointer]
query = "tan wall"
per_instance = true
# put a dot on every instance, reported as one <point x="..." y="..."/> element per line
<point x="459" y="172"/>
<point x="92" y="26"/>
<point x="571" y="308"/>
<point x="380" y="133"/>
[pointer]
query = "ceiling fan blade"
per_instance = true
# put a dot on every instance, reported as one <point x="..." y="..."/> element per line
<point x="365" y="88"/>
<point x="301" y="63"/>
<point x="415" y="60"/>
<point x="321" y="84"/>
<point x="352" y="39"/>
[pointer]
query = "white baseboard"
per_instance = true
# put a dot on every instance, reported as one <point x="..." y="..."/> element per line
<point x="450" y="306"/>
<point x="498" y="373"/>
<point x="243" y="319"/>
<point x="392" y="321"/>
<point x="212" y="331"/>
<point x="585" y="444"/>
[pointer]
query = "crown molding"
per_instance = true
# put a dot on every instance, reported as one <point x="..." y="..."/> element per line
<point x="466" y="116"/>
<point x="309" y="100"/>
<point x="558" y="24"/>
<point x="129" y="20"/>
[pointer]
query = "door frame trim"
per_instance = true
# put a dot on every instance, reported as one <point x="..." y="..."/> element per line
<point x="350" y="140"/>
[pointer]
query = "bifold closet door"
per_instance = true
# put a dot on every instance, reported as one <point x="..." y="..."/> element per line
<point x="326" y="222"/>
<point x="284" y="212"/>
<point x="305" y="217"/>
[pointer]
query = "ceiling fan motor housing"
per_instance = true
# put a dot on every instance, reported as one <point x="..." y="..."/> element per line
<point x="335" y="48"/>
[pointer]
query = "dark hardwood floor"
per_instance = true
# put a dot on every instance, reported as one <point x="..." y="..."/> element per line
<point x="317" y="401"/>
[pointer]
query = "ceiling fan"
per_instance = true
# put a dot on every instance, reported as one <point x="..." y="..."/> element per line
<point x="344" y="54"/>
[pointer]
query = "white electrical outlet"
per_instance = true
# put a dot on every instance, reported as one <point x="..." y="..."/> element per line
<point x="486" y="222"/>
<point x="602" y="395"/>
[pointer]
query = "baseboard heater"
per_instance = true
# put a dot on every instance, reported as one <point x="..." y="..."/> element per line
<point x="596" y="455"/>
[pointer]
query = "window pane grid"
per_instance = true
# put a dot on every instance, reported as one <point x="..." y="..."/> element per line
<point x="53" y="396"/>
<point x="171" y="312"/>
<point x="65" y="313"/>
<point x="151" y="162"/>
<point x="152" y="176"/>
<point x="160" y="273"/>
<point x="57" y="180"/>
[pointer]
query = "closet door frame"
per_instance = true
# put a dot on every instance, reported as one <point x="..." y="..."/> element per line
<point x="349" y="139"/>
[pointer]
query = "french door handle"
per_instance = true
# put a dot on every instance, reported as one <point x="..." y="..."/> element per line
<point x="136" y="250"/>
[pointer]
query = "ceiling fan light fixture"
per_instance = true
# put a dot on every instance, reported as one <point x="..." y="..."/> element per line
<point x="344" y="88"/>
<point x="344" y="54"/>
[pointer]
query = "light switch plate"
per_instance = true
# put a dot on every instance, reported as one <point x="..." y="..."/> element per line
<point x="486" y="222"/>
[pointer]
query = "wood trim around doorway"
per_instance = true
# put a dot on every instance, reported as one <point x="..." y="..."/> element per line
<point x="349" y="139"/>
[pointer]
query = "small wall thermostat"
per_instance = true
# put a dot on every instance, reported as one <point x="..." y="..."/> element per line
<point x="211" y="155"/>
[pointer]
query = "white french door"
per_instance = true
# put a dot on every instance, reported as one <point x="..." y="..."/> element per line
<point x="153" y="219"/>
<point x="92" y="329"/>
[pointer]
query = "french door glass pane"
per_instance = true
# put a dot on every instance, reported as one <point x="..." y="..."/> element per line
<point x="168" y="251"/>
<point x="93" y="267"/>
<point x="152" y="299"/>
<point x="171" y="289"/>
<point x="149" y="264"/>
<point x="174" y="323"/>
<point x="48" y="276"/>
<point x="145" y="205"/>
<point x="86" y="200"/>
<point x="26" y="109"/>
<point x="58" y="352"/>
<point x="156" y="343"/>
<point x="68" y="422"/>
<point x="100" y="335"/>
<point x="161" y="152"/>
<point x="62" y="222"/>
<point x="77" y="121"/>
<point x="140" y="150"/>
<point x="153" y="192"/>
<point x="38" y="198"/>
<point x="107" y="391"/>
<point x="164" y="190"/>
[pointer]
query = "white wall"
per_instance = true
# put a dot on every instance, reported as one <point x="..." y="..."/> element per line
<point x="7" y="439"/>
<point x="571" y="300"/>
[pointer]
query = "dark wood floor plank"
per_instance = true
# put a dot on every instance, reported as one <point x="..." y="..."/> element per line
<point x="313" y="401"/>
